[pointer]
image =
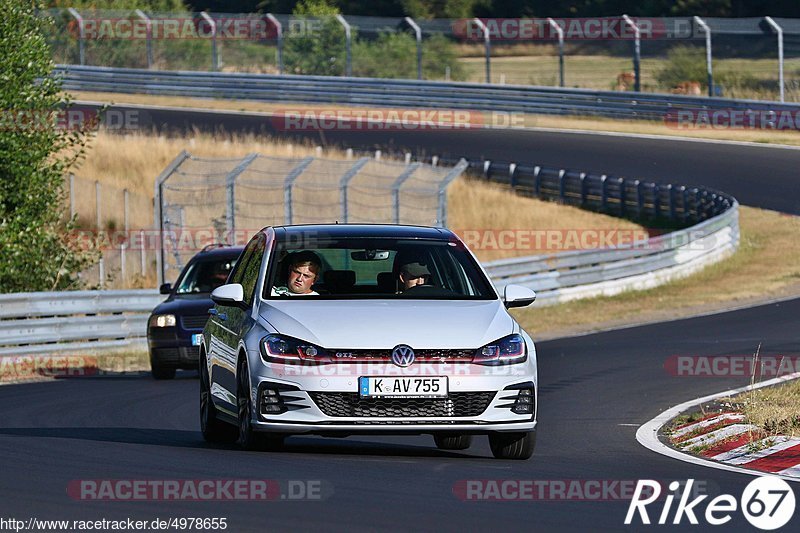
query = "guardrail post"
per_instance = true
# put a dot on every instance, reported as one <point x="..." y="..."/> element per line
<point x="456" y="171"/>
<point x="639" y="197"/>
<point x="348" y="45"/>
<point x="230" y="189"/>
<point x="82" y="34"/>
<point x="158" y="211"/>
<point x="583" y="187"/>
<point x="671" y="190"/>
<point x="344" y="182"/>
<point x="214" y="54"/>
<point x="561" y="185"/>
<point x="279" y="30"/>
<point x="656" y="200"/>
<point x="149" y="42"/>
<point x="396" y="189"/>
<point x="512" y="174"/>
<point x="779" y="30"/>
<point x="418" y="33"/>
<point x="637" y="52"/>
<point x="703" y="26"/>
<point x="560" y="31"/>
<point x="288" y="184"/>
<point x="603" y="192"/>
<point x="487" y="167"/>
<point x="487" y="42"/>
<point x="623" y="193"/>
<point x="537" y="180"/>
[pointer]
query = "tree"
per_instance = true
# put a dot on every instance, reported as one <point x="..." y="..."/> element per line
<point x="35" y="151"/>
<point x="319" y="46"/>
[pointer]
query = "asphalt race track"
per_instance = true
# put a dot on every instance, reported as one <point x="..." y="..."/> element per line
<point x="595" y="391"/>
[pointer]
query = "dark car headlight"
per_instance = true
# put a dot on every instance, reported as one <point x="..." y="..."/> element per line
<point x="283" y="349"/>
<point x="162" y="321"/>
<point x="508" y="350"/>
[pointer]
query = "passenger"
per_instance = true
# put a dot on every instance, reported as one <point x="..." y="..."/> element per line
<point x="303" y="273"/>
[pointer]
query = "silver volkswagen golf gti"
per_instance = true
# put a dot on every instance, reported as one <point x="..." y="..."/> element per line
<point x="366" y="329"/>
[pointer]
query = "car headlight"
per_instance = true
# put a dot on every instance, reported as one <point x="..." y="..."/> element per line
<point x="508" y="350"/>
<point x="162" y="321"/>
<point x="283" y="349"/>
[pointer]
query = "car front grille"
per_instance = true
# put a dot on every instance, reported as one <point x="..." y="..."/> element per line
<point x="194" y="322"/>
<point x="351" y="404"/>
<point x="422" y="355"/>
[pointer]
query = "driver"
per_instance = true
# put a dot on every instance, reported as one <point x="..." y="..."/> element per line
<point x="414" y="274"/>
<point x="303" y="273"/>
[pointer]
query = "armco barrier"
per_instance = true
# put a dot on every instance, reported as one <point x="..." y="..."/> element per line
<point x="380" y="92"/>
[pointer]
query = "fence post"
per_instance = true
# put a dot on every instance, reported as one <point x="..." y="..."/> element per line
<point x="456" y="171"/>
<point x="230" y="188"/>
<point x="396" y="188"/>
<point x="214" y="54"/>
<point x="158" y="209"/>
<point x="142" y="253"/>
<point x="487" y="41"/>
<point x="779" y="30"/>
<point x="149" y="36"/>
<point x="279" y="29"/>
<point x="288" y="183"/>
<point x="125" y="225"/>
<point x="560" y="31"/>
<point x="637" y="52"/>
<point x="82" y="34"/>
<point x="348" y="45"/>
<point x="345" y="180"/>
<point x="101" y="266"/>
<point x="709" y="70"/>
<point x="418" y="34"/>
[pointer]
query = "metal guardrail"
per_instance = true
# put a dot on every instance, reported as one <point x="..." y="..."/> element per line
<point x="401" y="93"/>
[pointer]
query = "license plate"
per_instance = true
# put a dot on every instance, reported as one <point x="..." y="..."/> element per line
<point x="197" y="339"/>
<point x="402" y="387"/>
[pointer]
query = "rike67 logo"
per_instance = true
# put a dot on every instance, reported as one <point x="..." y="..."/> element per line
<point x="767" y="503"/>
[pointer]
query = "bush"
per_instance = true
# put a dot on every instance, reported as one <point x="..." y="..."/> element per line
<point x="36" y="255"/>
<point x="684" y="63"/>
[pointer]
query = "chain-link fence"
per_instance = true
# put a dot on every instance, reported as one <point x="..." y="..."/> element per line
<point x="204" y="201"/>
<point x="727" y="57"/>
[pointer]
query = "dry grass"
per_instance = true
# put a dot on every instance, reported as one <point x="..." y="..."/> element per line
<point x="776" y="410"/>
<point x="765" y="266"/>
<point x="788" y="137"/>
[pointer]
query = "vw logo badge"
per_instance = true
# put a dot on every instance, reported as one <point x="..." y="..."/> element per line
<point x="402" y="355"/>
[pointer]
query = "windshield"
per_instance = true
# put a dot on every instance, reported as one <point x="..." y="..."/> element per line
<point x="205" y="275"/>
<point x="356" y="268"/>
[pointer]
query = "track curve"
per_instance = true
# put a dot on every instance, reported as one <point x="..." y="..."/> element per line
<point x="595" y="391"/>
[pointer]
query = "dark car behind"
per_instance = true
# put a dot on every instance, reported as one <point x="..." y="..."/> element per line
<point x="174" y="326"/>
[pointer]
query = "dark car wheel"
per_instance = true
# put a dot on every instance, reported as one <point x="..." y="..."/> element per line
<point x="213" y="429"/>
<point x="512" y="445"/>
<point x="446" y="441"/>
<point x="161" y="371"/>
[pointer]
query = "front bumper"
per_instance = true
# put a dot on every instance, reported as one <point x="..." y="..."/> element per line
<point x="478" y="402"/>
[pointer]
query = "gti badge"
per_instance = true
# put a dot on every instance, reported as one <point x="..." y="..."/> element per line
<point x="402" y="355"/>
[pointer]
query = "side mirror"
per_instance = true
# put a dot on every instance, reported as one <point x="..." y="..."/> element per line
<point x="518" y="296"/>
<point x="165" y="288"/>
<point x="231" y="295"/>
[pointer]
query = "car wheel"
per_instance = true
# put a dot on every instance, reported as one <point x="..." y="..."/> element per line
<point x="447" y="441"/>
<point x="160" y="371"/>
<point x="512" y="445"/>
<point x="213" y="429"/>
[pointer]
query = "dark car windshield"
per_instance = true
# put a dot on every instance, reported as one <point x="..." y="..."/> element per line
<point x="355" y="268"/>
<point x="205" y="275"/>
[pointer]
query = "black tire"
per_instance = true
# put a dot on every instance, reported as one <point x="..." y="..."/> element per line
<point x="160" y="371"/>
<point x="214" y="430"/>
<point x="449" y="441"/>
<point x="512" y="445"/>
<point x="247" y="438"/>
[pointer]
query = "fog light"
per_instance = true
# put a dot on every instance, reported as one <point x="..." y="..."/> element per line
<point x="271" y="402"/>
<point x="524" y="402"/>
<point x="272" y="408"/>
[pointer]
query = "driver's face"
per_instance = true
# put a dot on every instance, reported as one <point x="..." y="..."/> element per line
<point x="409" y="281"/>
<point x="301" y="278"/>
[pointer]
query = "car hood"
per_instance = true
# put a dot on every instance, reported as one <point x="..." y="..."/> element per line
<point x="186" y="305"/>
<point x="383" y="324"/>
